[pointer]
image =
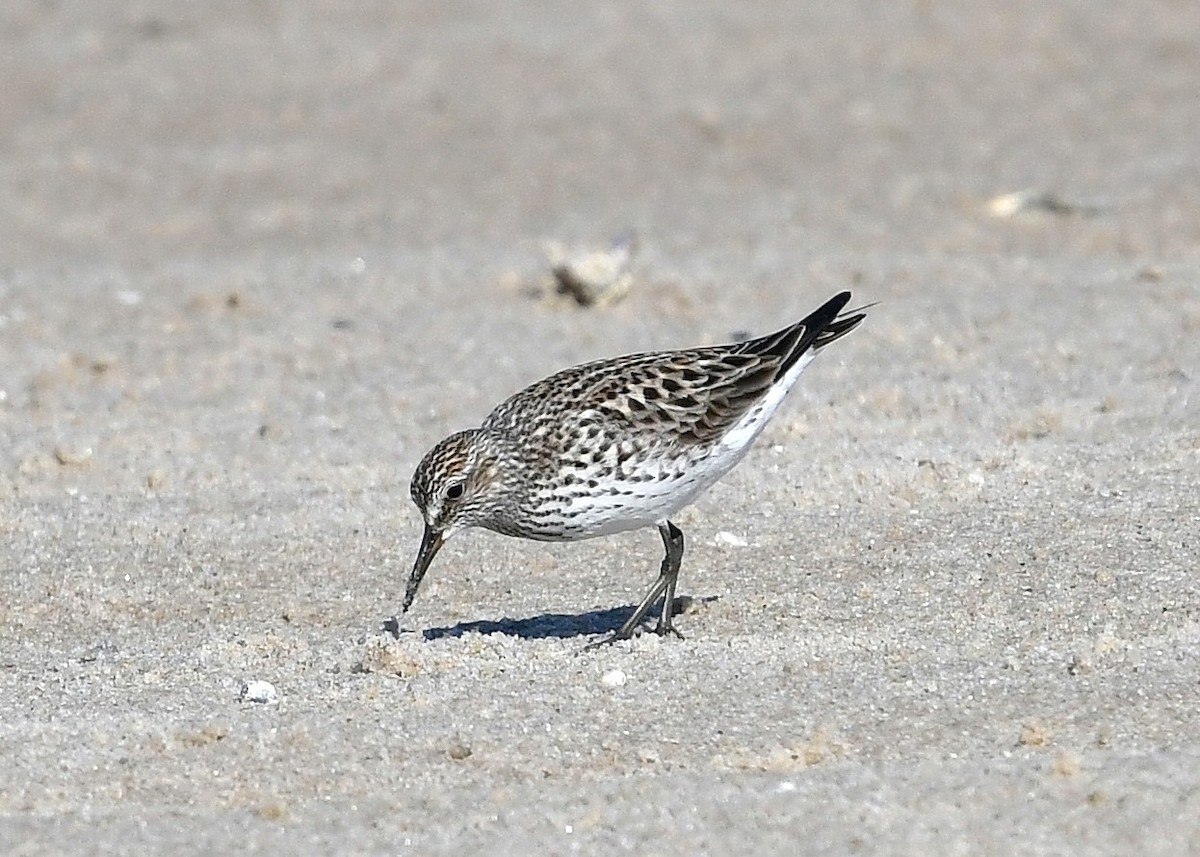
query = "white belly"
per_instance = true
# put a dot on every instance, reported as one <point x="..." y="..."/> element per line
<point x="652" y="490"/>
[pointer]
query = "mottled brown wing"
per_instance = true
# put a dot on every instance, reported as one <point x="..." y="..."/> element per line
<point x="686" y="397"/>
<point x="683" y="396"/>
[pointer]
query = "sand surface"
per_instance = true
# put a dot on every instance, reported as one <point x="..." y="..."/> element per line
<point x="258" y="257"/>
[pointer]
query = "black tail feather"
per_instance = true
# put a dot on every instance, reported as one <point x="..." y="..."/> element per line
<point x="818" y="329"/>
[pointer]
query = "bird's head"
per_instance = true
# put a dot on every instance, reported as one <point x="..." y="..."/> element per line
<point x="454" y="487"/>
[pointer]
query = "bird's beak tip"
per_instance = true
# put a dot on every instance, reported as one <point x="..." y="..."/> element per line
<point x="431" y="543"/>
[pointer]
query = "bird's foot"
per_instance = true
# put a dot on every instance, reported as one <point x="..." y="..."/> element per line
<point x="617" y="636"/>
<point x="604" y="641"/>
<point x="668" y="630"/>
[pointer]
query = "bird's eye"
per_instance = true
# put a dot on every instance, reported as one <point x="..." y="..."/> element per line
<point x="455" y="491"/>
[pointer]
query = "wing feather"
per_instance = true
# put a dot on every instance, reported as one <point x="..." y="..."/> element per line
<point x="671" y="398"/>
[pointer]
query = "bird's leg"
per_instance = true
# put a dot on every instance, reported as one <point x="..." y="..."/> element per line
<point x="672" y="538"/>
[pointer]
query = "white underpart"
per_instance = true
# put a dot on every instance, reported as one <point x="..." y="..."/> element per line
<point x="679" y="482"/>
<point x="739" y="438"/>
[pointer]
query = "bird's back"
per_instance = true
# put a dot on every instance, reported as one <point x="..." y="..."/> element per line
<point x="624" y="442"/>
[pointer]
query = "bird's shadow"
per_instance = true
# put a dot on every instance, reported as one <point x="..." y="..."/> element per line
<point x="557" y="625"/>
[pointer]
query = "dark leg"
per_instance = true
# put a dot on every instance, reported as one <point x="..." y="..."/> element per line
<point x="672" y="538"/>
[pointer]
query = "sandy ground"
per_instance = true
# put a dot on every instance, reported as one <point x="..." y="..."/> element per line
<point x="258" y="257"/>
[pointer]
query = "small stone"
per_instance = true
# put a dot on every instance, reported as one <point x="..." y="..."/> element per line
<point x="261" y="692"/>
<point x="613" y="678"/>
<point x="596" y="278"/>
<point x="1018" y="202"/>
<point x="1079" y="665"/>
<point x="458" y="751"/>
<point x="72" y="456"/>
<point x="729" y="540"/>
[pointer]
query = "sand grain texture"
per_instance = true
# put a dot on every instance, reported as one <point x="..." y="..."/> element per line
<point x="257" y="258"/>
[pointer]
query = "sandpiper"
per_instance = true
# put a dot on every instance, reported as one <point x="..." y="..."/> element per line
<point x="616" y="445"/>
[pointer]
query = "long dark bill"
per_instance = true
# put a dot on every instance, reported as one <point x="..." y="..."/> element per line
<point x="431" y="543"/>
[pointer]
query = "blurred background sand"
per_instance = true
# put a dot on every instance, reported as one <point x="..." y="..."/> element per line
<point x="258" y="257"/>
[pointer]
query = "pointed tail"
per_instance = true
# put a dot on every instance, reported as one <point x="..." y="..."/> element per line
<point x="823" y="326"/>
